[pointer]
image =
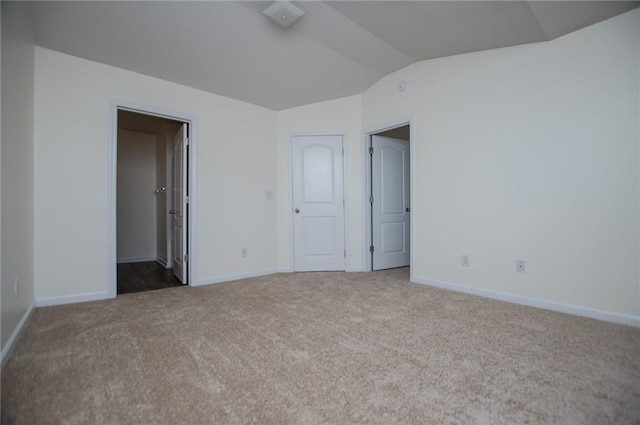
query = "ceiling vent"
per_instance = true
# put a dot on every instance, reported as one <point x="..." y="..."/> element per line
<point x="283" y="13"/>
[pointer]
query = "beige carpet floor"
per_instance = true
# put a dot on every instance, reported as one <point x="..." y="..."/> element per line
<point x="319" y="348"/>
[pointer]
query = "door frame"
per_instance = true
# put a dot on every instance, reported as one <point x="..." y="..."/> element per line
<point x="345" y="211"/>
<point x="367" y="211"/>
<point x="115" y="105"/>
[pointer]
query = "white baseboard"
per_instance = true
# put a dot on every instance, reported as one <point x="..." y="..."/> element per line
<point x="8" y="347"/>
<point x="162" y="262"/>
<point x="290" y="270"/>
<point x="607" y="316"/>
<point x="136" y="260"/>
<point x="70" y="299"/>
<point x="231" y="277"/>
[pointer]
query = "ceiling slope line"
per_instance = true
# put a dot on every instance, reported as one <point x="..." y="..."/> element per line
<point x="372" y="34"/>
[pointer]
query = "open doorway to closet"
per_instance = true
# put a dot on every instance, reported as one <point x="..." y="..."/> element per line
<point x="151" y="202"/>
<point x="389" y="212"/>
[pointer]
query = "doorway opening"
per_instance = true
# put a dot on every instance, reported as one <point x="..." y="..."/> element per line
<point x="389" y="197"/>
<point x="152" y="201"/>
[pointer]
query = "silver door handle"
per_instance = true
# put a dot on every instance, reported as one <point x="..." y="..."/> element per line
<point x="297" y="211"/>
<point x="408" y="209"/>
<point x="172" y="211"/>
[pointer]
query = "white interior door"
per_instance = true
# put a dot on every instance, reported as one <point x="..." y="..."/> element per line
<point x="318" y="203"/>
<point x="180" y="204"/>
<point x="390" y="207"/>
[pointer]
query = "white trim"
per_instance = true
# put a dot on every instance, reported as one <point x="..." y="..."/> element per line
<point x="343" y="135"/>
<point x="72" y="299"/>
<point x="290" y="197"/>
<point x="345" y="197"/>
<point x="193" y="200"/>
<point x="8" y="347"/>
<point x="607" y="316"/>
<point x="115" y="105"/>
<point x="136" y="260"/>
<point x="161" y="262"/>
<point x="112" y="196"/>
<point x="232" y="277"/>
<point x="410" y="121"/>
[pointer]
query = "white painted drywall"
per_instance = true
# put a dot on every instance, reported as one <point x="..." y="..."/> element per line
<point x="236" y="157"/>
<point x="136" y="200"/>
<point x="529" y="152"/>
<point x="340" y="116"/>
<point x="17" y="167"/>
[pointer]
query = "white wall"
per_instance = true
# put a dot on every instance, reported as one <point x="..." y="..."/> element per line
<point x="17" y="168"/>
<point x="136" y="200"/>
<point x="529" y="152"/>
<point x="339" y="116"/>
<point x="236" y="153"/>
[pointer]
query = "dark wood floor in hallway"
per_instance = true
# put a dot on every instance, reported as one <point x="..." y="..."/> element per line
<point x="147" y="276"/>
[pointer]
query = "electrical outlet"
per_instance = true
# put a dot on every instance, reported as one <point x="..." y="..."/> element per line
<point x="464" y="260"/>
<point x="270" y="195"/>
<point x="243" y="252"/>
<point x="15" y="288"/>
<point x="520" y="266"/>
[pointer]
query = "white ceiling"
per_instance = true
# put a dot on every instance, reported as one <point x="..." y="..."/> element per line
<point x="338" y="48"/>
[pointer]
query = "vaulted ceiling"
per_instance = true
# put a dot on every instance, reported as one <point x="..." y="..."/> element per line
<point x="338" y="48"/>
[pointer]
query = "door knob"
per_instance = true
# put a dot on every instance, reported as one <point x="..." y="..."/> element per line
<point x="408" y="209"/>
<point x="297" y="211"/>
<point x="172" y="211"/>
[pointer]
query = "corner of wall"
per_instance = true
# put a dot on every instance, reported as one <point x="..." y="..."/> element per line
<point x="17" y="168"/>
<point x="8" y="347"/>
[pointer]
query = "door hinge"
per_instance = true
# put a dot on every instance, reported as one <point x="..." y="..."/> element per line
<point x="342" y="151"/>
<point x="371" y="248"/>
<point x="371" y="199"/>
<point x="186" y="258"/>
<point x="186" y="141"/>
<point x="370" y="150"/>
<point x="345" y="253"/>
<point x="186" y="199"/>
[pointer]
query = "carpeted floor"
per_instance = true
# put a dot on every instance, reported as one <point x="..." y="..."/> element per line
<point x="319" y="348"/>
